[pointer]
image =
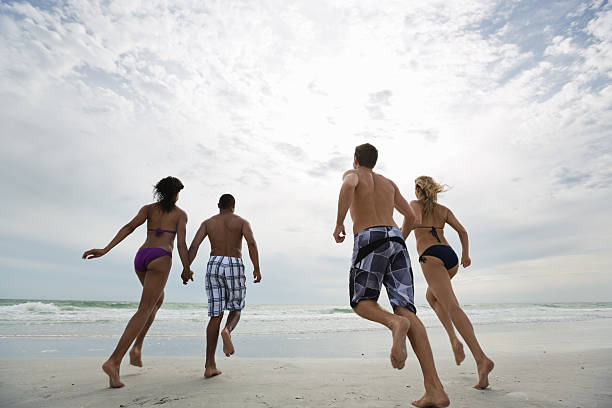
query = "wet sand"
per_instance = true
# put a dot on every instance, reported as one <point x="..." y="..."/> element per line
<point x="539" y="366"/>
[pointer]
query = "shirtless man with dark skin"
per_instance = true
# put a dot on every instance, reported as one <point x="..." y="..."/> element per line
<point x="380" y="257"/>
<point x="225" y="279"/>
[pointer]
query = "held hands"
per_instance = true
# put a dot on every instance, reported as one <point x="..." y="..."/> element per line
<point x="94" y="253"/>
<point x="465" y="261"/>
<point x="339" y="233"/>
<point x="186" y="276"/>
<point x="256" y="276"/>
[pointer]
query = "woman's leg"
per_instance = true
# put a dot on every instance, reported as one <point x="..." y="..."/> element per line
<point x="439" y="283"/>
<point x="154" y="283"/>
<point x="446" y="321"/>
<point x="136" y="351"/>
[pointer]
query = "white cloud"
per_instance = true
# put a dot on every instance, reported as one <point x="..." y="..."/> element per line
<point x="268" y="100"/>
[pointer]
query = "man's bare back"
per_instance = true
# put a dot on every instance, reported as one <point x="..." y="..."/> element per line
<point x="374" y="199"/>
<point x="371" y="198"/>
<point x="225" y="232"/>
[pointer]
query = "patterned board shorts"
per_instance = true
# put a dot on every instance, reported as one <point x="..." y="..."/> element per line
<point x="225" y="284"/>
<point x="387" y="264"/>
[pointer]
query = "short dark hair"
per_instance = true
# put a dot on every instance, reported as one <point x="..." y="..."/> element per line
<point x="366" y="155"/>
<point x="226" y="201"/>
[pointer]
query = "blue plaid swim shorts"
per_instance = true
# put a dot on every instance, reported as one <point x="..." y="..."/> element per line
<point x="225" y="284"/>
<point x="380" y="258"/>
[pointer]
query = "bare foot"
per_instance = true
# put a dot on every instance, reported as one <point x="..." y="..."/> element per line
<point x="399" y="330"/>
<point x="113" y="374"/>
<point x="433" y="399"/>
<point x="211" y="372"/>
<point x="484" y="369"/>
<point x="135" y="358"/>
<point x="458" y="351"/>
<point x="228" y="346"/>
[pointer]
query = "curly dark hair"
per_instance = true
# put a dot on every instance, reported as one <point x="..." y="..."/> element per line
<point x="165" y="192"/>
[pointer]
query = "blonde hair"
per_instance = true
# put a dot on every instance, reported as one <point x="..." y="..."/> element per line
<point x="429" y="189"/>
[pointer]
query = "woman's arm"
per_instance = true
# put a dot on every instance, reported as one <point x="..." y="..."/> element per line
<point x="126" y="230"/>
<point x="463" y="237"/>
<point x="181" y="243"/>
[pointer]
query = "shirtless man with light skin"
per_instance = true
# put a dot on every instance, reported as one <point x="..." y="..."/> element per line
<point x="225" y="279"/>
<point x="380" y="257"/>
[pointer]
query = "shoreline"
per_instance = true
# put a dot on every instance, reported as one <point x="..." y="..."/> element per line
<point x="374" y="343"/>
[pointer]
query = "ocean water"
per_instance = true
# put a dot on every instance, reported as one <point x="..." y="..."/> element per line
<point x="59" y="328"/>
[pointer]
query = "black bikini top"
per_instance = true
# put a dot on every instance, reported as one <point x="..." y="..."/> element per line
<point x="433" y="231"/>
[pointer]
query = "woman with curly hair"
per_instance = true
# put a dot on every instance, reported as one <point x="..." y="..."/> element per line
<point x="439" y="264"/>
<point x="152" y="265"/>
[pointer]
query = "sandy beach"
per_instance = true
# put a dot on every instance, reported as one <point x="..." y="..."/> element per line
<point x="175" y="173"/>
<point x="552" y="365"/>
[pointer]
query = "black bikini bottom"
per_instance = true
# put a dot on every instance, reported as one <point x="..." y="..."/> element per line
<point x="443" y="252"/>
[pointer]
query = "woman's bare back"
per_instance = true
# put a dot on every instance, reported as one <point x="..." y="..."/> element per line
<point x="431" y="229"/>
<point x="161" y="227"/>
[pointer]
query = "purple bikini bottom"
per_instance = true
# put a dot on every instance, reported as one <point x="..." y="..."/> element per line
<point x="145" y="255"/>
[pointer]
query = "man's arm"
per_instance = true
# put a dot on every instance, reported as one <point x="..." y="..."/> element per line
<point x="345" y="199"/>
<point x="247" y="232"/>
<point x="197" y="241"/>
<point x="407" y="227"/>
<point x="401" y="205"/>
<point x="126" y="230"/>
<point x="193" y="251"/>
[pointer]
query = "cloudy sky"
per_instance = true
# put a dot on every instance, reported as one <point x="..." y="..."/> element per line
<point x="508" y="102"/>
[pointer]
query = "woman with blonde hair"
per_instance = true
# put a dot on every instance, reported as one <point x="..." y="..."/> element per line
<point x="439" y="264"/>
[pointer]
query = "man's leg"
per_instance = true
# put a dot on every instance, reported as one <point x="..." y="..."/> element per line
<point x="235" y="301"/>
<point x="369" y="309"/>
<point x="434" y="391"/>
<point x="226" y="333"/>
<point x="399" y="284"/>
<point x="448" y="326"/>
<point x="212" y="336"/>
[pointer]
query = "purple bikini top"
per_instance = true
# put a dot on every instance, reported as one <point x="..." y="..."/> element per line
<point x="159" y="231"/>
